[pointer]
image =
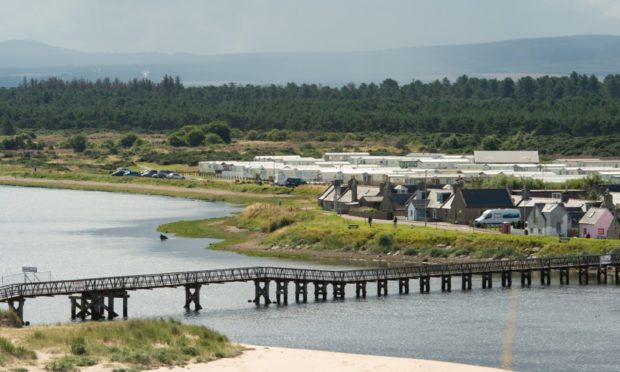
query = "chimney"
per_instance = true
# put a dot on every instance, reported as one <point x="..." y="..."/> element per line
<point x="338" y="189"/>
<point x="608" y="202"/>
<point x="525" y="192"/>
<point x="353" y="188"/>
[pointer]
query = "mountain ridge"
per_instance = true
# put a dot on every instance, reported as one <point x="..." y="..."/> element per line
<point x="591" y="54"/>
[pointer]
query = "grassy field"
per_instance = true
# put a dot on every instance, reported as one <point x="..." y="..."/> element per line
<point x="130" y="345"/>
<point x="310" y="229"/>
<point x="286" y="217"/>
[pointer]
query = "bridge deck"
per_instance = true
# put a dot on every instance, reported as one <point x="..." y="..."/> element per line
<point x="161" y="280"/>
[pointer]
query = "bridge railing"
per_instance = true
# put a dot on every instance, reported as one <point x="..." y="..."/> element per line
<point x="175" y="279"/>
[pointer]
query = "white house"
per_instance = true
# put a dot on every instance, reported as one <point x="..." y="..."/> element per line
<point x="548" y="219"/>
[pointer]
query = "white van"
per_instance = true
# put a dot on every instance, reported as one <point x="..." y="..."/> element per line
<point x="497" y="216"/>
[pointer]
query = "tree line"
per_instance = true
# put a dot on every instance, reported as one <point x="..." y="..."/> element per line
<point x="576" y="105"/>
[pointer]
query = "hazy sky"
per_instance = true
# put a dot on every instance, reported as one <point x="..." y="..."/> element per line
<point x="231" y="26"/>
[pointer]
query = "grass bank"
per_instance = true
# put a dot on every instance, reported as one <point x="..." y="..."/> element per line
<point x="208" y="190"/>
<point x="129" y="345"/>
<point x="294" y="232"/>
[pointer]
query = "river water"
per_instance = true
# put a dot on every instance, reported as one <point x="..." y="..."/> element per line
<point x="78" y="234"/>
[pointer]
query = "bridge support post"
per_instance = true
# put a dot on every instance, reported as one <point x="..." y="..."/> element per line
<point x="487" y="280"/>
<point x="425" y="284"/>
<point x="338" y="289"/>
<point x="17" y="306"/>
<point x="261" y="289"/>
<point x="382" y="287"/>
<point x="583" y="275"/>
<point x="301" y="290"/>
<point x="282" y="291"/>
<point x="320" y="291"/>
<point x="601" y="274"/>
<point x="97" y="305"/>
<point x="125" y="297"/>
<point x="526" y="278"/>
<point x="545" y="276"/>
<point x="446" y="283"/>
<point x="564" y="276"/>
<point x="466" y="282"/>
<point x="192" y="295"/>
<point x="403" y="286"/>
<point x="360" y="289"/>
<point x="506" y="279"/>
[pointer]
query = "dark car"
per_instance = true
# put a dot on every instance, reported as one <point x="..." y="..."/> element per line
<point x="162" y="174"/>
<point x="131" y="173"/>
<point x="120" y="172"/>
<point x="292" y="182"/>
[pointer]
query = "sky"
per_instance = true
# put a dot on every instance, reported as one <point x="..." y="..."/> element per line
<point x="242" y="26"/>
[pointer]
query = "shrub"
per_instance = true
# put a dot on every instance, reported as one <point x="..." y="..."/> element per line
<point x="219" y="128"/>
<point x="78" y="346"/>
<point x="213" y="138"/>
<point x="385" y="240"/>
<point x="78" y="143"/>
<point x="410" y="252"/>
<point x="251" y="135"/>
<point x="176" y="140"/>
<point x="196" y="138"/>
<point x="128" y="140"/>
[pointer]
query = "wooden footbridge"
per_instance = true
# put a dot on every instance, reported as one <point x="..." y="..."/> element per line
<point x="94" y="298"/>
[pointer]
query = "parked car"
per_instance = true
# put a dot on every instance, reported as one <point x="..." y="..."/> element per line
<point x="120" y="172"/>
<point x="148" y="173"/>
<point x="131" y="173"/>
<point x="175" y="176"/>
<point x="293" y="182"/>
<point x="162" y="174"/>
<point x="492" y="217"/>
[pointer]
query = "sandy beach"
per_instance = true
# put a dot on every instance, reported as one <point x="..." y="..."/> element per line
<point x="278" y="359"/>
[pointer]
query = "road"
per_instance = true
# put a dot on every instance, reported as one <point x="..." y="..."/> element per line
<point x="437" y="225"/>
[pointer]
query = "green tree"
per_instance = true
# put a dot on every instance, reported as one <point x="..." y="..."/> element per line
<point x="8" y="129"/>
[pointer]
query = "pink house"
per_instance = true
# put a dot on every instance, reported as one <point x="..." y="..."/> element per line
<point x="599" y="223"/>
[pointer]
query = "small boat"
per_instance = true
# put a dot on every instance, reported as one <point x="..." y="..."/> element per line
<point x="163" y="237"/>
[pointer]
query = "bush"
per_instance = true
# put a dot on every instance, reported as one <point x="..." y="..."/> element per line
<point x="221" y="129"/>
<point x="385" y="240"/>
<point x="251" y="135"/>
<point x="78" y="346"/>
<point x="128" y="140"/>
<point x="213" y="138"/>
<point x="176" y="140"/>
<point x="78" y="143"/>
<point x="277" y="135"/>
<point x="195" y="138"/>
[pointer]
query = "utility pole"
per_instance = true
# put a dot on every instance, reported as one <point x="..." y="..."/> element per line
<point x="425" y="199"/>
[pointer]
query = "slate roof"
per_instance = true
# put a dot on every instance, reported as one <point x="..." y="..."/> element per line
<point x="592" y="216"/>
<point x="399" y="200"/>
<point x="487" y="198"/>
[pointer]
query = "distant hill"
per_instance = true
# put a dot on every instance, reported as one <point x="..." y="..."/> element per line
<point x="589" y="54"/>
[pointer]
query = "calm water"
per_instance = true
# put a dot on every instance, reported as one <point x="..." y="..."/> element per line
<point x="85" y="234"/>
